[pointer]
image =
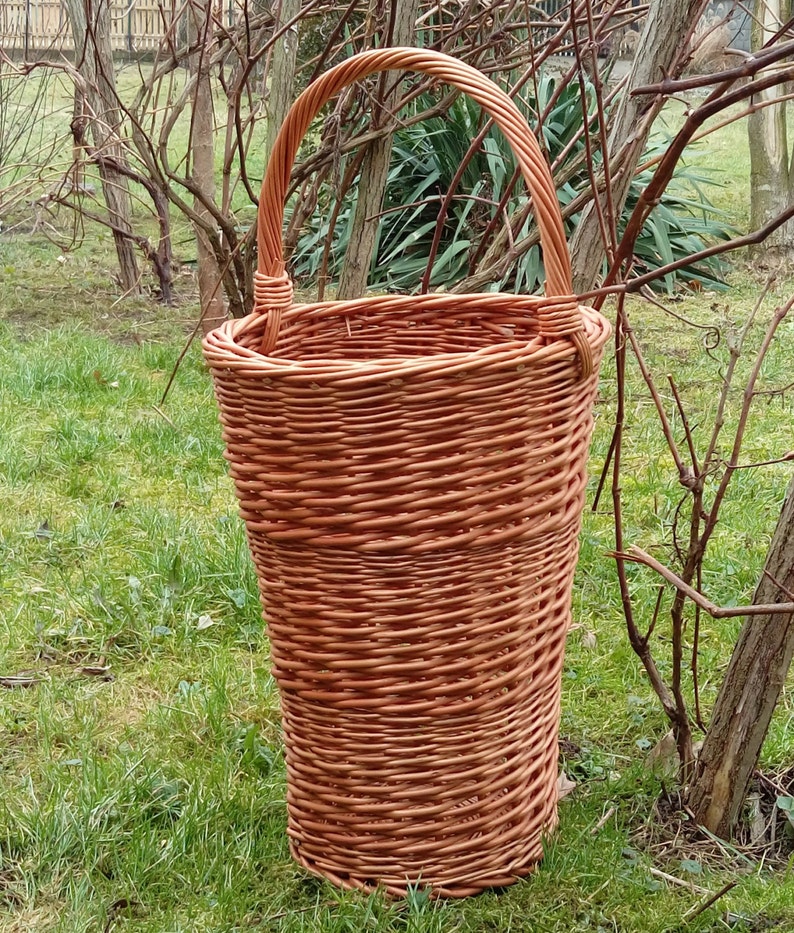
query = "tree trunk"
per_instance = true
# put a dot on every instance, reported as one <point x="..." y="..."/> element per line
<point x="97" y="104"/>
<point x="375" y="168"/>
<point x="662" y="50"/>
<point x="770" y="169"/>
<point x="202" y="153"/>
<point x="750" y="691"/>
<point x="281" y="73"/>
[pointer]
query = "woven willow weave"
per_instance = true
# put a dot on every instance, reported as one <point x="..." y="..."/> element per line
<point x="411" y="473"/>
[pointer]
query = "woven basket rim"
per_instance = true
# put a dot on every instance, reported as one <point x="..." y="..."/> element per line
<point x="227" y="339"/>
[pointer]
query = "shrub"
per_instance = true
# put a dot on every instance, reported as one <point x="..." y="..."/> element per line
<point x="425" y="159"/>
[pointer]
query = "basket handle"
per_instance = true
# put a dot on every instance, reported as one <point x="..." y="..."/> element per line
<point x="273" y="289"/>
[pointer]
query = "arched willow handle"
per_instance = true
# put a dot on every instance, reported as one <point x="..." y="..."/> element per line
<point x="273" y="289"/>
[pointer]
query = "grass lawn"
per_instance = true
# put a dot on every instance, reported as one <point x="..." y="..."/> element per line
<point x="140" y="753"/>
<point x="143" y="785"/>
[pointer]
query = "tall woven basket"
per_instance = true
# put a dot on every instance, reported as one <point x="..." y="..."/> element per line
<point x="411" y="473"/>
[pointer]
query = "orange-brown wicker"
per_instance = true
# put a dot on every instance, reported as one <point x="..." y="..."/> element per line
<point x="411" y="473"/>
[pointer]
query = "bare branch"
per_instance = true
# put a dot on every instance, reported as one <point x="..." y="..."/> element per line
<point x="638" y="556"/>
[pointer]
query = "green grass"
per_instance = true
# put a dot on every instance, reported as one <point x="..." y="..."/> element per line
<point x="724" y="154"/>
<point x="142" y="776"/>
<point x="144" y="764"/>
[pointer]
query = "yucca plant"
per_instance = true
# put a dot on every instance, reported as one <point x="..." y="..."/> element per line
<point x="425" y="159"/>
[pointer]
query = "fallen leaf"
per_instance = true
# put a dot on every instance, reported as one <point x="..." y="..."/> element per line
<point x="756" y="820"/>
<point x="118" y="907"/>
<point x="738" y="920"/>
<point x="22" y="679"/>
<point x="43" y="531"/>
<point x="103" y="382"/>
<point x="662" y="759"/>
<point x="588" y="640"/>
<point x="96" y="670"/>
<point x="786" y="806"/>
<point x="204" y="622"/>
<point x="568" y="748"/>
<point x="564" y="785"/>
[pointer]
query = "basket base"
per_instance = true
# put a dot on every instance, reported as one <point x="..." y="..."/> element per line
<point x="399" y="887"/>
<point x="457" y="803"/>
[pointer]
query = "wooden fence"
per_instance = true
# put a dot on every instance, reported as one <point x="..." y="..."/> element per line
<point x="137" y="26"/>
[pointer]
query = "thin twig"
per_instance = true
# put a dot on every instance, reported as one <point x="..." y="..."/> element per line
<point x="603" y="821"/>
<point x="658" y="873"/>
<point x="693" y="667"/>
<point x="779" y="585"/>
<point x="664" y="172"/>
<point x="690" y="441"/>
<point x="608" y="238"/>
<point x="786" y="458"/>
<point x="656" y="609"/>
<point x="735" y="349"/>
<point x="684" y="473"/>
<point x="639" y="645"/>
<point x="649" y="296"/>
<point x="638" y="556"/>
<point x="698" y="909"/>
<point x="164" y="416"/>
<point x="751" y="66"/>
<point x="749" y="394"/>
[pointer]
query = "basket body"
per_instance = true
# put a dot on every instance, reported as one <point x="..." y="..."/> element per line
<point x="411" y="472"/>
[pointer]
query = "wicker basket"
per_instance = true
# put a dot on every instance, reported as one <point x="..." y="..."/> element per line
<point x="411" y="473"/>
